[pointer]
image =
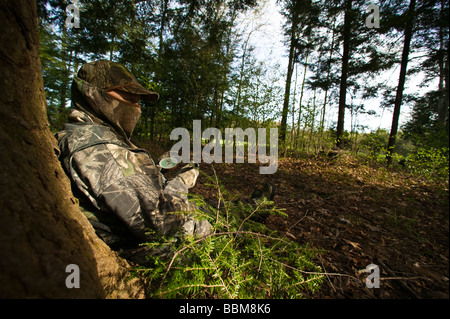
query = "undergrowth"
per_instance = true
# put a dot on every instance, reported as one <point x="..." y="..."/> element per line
<point x="242" y="258"/>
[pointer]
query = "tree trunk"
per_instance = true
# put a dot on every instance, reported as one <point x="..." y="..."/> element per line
<point x="443" y="73"/>
<point x="313" y="119"/>
<point x="344" y="74"/>
<point x="297" y="141"/>
<point x="401" y="81"/>
<point x="287" y="91"/>
<point x="293" y="112"/>
<point x="325" y="99"/>
<point x="237" y="105"/>
<point x="42" y="228"/>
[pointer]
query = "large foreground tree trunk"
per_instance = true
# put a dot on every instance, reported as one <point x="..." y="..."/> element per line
<point x="42" y="230"/>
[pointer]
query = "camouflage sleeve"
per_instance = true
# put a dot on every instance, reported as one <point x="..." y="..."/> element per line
<point x="121" y="180"/>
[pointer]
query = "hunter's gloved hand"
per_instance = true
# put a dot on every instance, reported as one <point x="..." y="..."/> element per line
<point x="189" y="174"/>
<point x="197" y="228"/>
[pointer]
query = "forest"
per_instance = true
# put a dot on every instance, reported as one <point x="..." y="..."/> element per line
<point x="348" y="194"/>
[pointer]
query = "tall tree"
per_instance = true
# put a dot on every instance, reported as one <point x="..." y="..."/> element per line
<point x="294" y="11"/>
<point x="402" y="78"/>
<point x="196" y="60"/>
<point x="344" y="72"/>
<point x="363" y="55"/>
<point x="429" y="125"/>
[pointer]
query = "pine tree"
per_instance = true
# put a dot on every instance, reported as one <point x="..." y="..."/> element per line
<point x="295" y="12"/>
<point x="429" y="124"/>
<point x="408" y="32"/>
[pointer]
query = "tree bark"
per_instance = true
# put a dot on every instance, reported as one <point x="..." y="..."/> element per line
<point x="344" y="74"/>
<point x="287" y="92"/>
<point x="297" y="141"/>
<point x="443" y="72"/>
<point x="401" y="81"/>
<point x="42" y="229"/>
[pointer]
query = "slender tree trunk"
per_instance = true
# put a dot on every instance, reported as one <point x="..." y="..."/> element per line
<point x="313" y="119"/>
<point x="301" y="101"/>
<point x="42" y="229"/>
<point x="446" y="92"/>
<point x="443" y="74"/>
<point x="401" y="81"/>
<point x="307" y="118"/>
<point x="293" y="110"/>
<point x="237" y="106"/>
<point x="344" y="74"/>
<point x="287" y="91"/>
<point x="325" y="99"/>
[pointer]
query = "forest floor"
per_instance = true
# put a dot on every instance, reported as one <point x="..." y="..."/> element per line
<point x="354" y="215"/>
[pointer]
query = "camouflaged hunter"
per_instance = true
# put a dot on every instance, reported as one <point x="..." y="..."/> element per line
<point x="126" y="191"/>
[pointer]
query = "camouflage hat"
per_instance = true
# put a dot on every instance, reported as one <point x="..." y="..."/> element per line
<point x="108" y="75"/>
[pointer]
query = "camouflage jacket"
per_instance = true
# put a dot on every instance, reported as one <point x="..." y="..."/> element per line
<point x="123" y="180"/>
<point x="119" y="179"/>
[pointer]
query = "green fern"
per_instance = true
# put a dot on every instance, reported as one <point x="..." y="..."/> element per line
<point x="242" y="259"/>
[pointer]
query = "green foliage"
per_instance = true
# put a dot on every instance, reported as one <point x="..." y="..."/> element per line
<point x="241" y="259"/>
<point x="426" y="160"/>
<point x="196" y="55"/>
<point x="432" y="162"/>
<point x="375" y="143"/>
<point x="428" y="127"/>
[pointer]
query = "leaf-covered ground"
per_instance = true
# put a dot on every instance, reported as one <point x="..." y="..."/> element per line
<point x="355" y="215"/>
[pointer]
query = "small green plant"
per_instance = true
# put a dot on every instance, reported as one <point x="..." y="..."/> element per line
<point x="241" y="259"/>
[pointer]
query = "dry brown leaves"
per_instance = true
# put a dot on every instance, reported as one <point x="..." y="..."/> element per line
<point x="355" y="215"/>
